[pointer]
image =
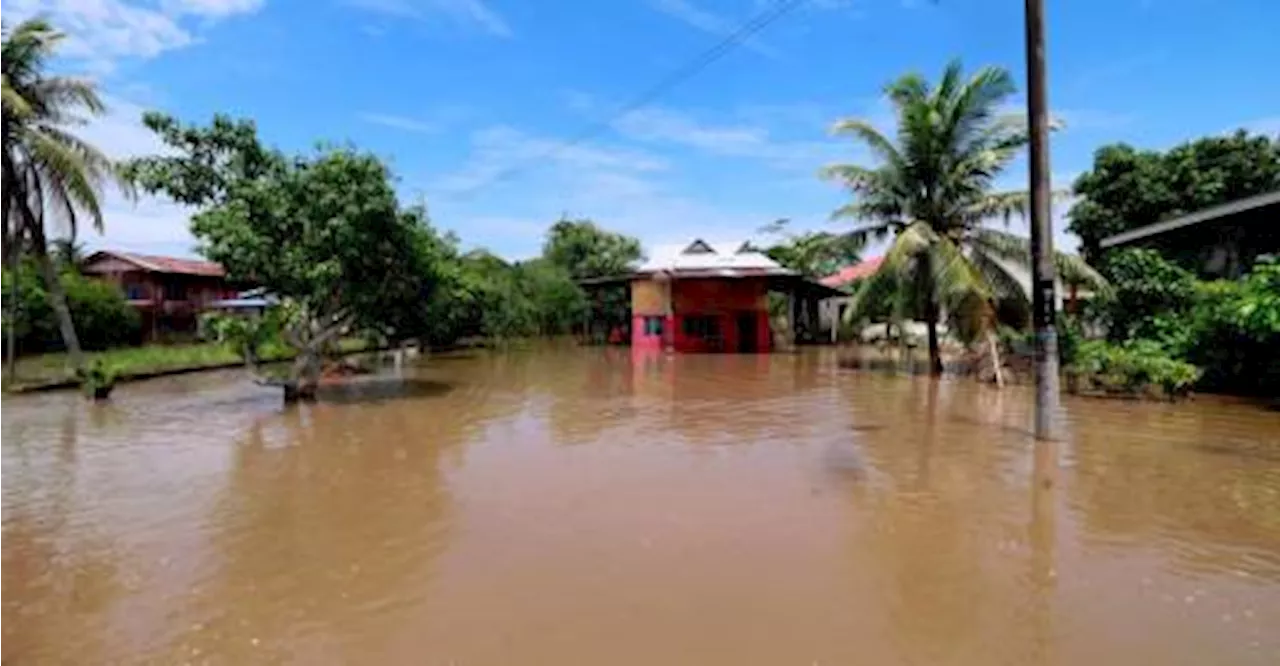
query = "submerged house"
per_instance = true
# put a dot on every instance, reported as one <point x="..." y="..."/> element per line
<point x="707" y="299"/>
<point x="169" y="293"/>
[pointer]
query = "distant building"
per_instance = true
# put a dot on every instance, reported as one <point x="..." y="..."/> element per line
<point x="1221" y="241"/>
<point x="704" y="299"/>
<point x="832" y="311"/>
<point x="168" y="292"/>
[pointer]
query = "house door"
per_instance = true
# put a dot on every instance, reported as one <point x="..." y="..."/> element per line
<point x="747" y="332"/>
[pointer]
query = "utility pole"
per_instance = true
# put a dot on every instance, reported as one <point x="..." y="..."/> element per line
<point x="1042" y="265"/>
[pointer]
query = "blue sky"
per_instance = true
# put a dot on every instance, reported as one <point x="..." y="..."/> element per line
<point x="455" y="92"/>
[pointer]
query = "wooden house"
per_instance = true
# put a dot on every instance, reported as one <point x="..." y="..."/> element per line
<point x="168" y="292"/>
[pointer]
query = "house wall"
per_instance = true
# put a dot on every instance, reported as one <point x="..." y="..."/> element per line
<point x="650" y="304"/>
<point x="724" y="301"/>
<point x="162" y="312"/>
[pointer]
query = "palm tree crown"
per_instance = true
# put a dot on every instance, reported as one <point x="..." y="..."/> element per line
<point x="49" y="173"/>
<point x="933" y="190"/>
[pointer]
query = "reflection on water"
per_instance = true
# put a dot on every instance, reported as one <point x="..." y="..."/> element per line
<point x="587" y="506"/>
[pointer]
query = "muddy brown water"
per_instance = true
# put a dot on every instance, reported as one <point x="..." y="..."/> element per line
<point x="570" y="506"/>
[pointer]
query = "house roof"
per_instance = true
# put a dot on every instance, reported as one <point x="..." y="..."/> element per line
<point x="848" y="274"/>
<point x="159" y="264"/>
<point x="1210" y="214"/>
<point x="727" y="260"/>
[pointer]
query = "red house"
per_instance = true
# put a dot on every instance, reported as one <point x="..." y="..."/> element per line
<point x="706" y="300"/>
<point x="169" y="292"/>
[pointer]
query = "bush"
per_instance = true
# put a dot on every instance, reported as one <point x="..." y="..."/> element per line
<point x="1149" y="297"/>
<point x="1233" y="332"/>
<point x="1137" y="367"/>
<point x="102" y="317"/>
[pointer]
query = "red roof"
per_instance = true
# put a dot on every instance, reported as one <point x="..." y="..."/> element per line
<point x="159" y="264"/>
<point x="848" y="274"/>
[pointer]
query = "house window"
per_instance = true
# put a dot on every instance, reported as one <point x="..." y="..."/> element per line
<point x="653" y="326"/>
<point x="175" y="290"/>
<point x="135" y="292"/>
<point x="701" y="327"/>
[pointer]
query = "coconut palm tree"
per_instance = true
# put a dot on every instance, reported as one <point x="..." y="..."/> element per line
<point x="50" y="175"/>
<point x="933" y="190"/>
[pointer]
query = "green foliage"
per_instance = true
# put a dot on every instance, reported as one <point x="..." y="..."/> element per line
<point x="1136" y="367"/>
<point x="1233" y="332"/>
<point x="483" y="296"/>
<point x="50" y="176"/>
<point x="933" y="190"/>
<point x="98" y="379"/>
<point x="324" y="232"/>
<point x="250" y="335"/>
<point x="103" y="318"/>
<point x="1129" y="188"/>
<point x="1150" y="297"/>
<point x="585" y="250"/>
<point x="815" y="254"/>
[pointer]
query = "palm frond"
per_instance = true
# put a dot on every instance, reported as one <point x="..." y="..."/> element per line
<point x="72" y="180"/>
<point x="1071" y="269"/>
<point x="867" y="133"/>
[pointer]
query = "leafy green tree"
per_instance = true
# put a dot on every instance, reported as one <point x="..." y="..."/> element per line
<point x="585" y="250"/>
<point x="1129" y="188"/>
<point x="323" y="232"/>
<point x="933" y="189"/>
<point x="49" y="175"/>
<point x="813" y="253"/>
<point x="1150" y="297"/>
<point x="1234" y="332"/>
<point x="103" y="317"/>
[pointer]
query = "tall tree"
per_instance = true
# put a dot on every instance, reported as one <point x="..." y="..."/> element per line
<point x="50" y="175"/>
<point x="1129" y="188"/>
<point x="933" y="189"/>
<point x="586" y="250"/>
<point x="323" y="232"/>
<point x="814" y="253"/>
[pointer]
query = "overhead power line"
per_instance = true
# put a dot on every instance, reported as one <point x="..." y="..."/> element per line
<point x="679" y="75"/>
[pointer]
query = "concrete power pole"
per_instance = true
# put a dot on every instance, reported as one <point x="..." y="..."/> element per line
<point x="1042" y="264"/>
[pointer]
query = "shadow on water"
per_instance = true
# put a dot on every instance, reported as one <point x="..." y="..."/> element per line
<point x="376" y="389"/>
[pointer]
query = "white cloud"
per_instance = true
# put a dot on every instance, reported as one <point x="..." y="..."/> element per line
<point x="741" y="140"/>
<point x="99" y="32"/>
<point x="709" y="22"/>
<point x="501" y="153"/>
<point x="400" y="122"/>
<point x="514" y="184"/>
<point x="473" y="12"/>
<point x="212" y="8"/>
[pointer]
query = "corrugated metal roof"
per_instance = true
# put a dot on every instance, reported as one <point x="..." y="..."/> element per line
<point x="725" y="259"/>
<point x="161" y="264"/>
<point x="848" y="274"/>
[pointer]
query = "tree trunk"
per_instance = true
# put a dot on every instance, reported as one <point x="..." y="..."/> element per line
<point x="304" y="376"/>
<point x="931" y="314"/>
<point x="995" y="357"/>
<point x="57" y="298"/>
<point x="11" y="341"/>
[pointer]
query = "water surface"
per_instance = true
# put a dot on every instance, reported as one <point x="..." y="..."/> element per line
<point x="570" y="506"/>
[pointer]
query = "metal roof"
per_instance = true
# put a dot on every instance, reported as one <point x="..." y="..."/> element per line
<point x="159" y="264"/>
<point x="701" y="257"/>
<point x="1206" y="215"/>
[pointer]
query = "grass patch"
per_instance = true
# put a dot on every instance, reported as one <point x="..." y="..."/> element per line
<point x="129" y="362"/>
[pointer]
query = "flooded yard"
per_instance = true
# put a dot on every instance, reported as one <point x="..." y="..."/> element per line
<point x="571" y="506"/>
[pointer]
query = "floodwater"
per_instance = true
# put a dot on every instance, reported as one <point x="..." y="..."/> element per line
<point x="571" y="506"/>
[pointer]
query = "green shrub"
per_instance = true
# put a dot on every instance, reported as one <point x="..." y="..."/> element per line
<point x="1233" y="332"/>
<point x="1137" y="367"/>
<point x="102" y="317"/>
<point x="1149" y="299"/>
